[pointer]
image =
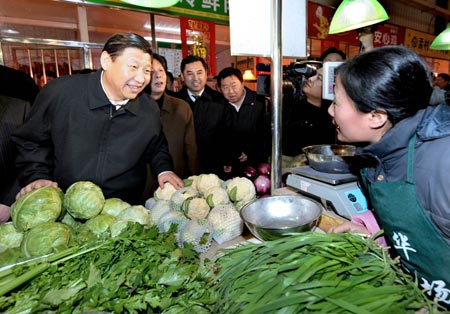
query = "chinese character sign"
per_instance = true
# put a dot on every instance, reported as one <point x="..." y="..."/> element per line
<point x="198" y="39"/>
<point x="420" y="42"/>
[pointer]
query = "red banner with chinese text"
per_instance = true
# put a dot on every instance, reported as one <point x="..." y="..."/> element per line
<point x="202" y="37"/>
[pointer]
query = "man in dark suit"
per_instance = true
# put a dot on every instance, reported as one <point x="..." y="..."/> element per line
<point x="17" y="84"/>
<point x="12" y="115"/>
<point x="210" y="114"/>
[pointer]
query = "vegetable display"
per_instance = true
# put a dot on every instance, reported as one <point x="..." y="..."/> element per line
<point x="146" y="260"/>
<point x="141" y="271"/>
<point x="206" y="209"/>
<point x="314" y="273"/>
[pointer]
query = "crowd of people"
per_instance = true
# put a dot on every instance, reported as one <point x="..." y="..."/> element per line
<point x="122" y="128"/>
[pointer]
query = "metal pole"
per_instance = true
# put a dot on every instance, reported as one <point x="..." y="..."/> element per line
<point x="69" y="62"/>
<point x="30" y="64"/>
<point x="153" y="30"/>
<point x="276" y="92"/>
<point x="56" y="62"/>
<point x="44" y="73"/>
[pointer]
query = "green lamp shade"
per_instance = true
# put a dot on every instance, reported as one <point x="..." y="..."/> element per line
<point x="152" y="3"/>
<point x="442" y="41"/>
<point x="354" y="14"/>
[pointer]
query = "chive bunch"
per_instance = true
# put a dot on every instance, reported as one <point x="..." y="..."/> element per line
<point x="314" y="273"/>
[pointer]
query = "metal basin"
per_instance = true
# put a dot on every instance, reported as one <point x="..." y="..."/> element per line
<point x="273" y="217"/>
<point x="330" y="158"/>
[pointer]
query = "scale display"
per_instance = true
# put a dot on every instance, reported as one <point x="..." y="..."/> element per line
<point x="338" y="191"/>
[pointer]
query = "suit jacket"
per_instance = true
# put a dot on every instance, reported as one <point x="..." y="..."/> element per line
<point x="12" y="115"/>
<point x="210" y="116"/>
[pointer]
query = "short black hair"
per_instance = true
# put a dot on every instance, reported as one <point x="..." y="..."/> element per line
<point x="393" y="79"/>
<point x="191" y="59"/>
<point x="161" y="60"/>
<point x="226" y="72"/>
<point x="117" y="43"/>
<point x="330" y="51"/>
<point x="170" y="76"/>
<point x="444" y="76"/>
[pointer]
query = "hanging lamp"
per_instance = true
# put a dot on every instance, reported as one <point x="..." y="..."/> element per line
<point x="354" y="14"/>
<point x="248" y="76"/>
<point x="152" y="3"/>
<point x="442" y="41"/>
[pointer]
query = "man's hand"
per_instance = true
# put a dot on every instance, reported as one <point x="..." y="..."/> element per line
<point x="171" y="178"/>
<point x="243" y="157"/>
<point x="36" y="185"/>
<point x="4" y="213"/>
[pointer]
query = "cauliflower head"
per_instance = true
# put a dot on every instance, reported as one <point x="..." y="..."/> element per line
<point x="241" y="189"/>
<point x="191" y="182"/>
<point x="160" y="208"/>
<point x="195" y="208"/>
<point x="217" y="196"/>
<point x="172" y="217"/>
<point x="178" y="198"/>
<point x="226" y="223"/>
<point x="196" y="232"/>
<point x="207" y="181"/>
<point x="165" y="193"/>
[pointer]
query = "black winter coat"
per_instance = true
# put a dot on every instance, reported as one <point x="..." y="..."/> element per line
<point x="72" y="134"/>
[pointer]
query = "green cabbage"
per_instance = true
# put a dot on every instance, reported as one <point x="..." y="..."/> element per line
<point x="37" y="206"/>
<point x="114" y="206"/>
<point x="9" y="237"/>
<point x="100" y="224"/>
<point x="45" y="238"/>
<point x="134" y="214"/>
<point x="84" y="200"/>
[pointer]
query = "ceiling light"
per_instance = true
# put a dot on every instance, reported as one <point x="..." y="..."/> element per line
<point x="354" y="14"/>
<point x="9" y="31"/>
<point x="442" y="41"/>
<point x="152" y="3"/>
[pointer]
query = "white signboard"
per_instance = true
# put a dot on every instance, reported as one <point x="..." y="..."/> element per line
<point x="251" y="27"/>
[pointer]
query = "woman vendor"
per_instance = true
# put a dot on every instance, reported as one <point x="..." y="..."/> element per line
<point x="381" y="99"/>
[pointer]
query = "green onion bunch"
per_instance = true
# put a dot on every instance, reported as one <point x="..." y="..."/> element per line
<point x="315" y="273"/>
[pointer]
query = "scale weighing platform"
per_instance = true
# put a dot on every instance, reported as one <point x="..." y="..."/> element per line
<point x="338" y="191"/>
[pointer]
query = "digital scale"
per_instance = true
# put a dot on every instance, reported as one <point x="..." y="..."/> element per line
<point x="338" y="192"/>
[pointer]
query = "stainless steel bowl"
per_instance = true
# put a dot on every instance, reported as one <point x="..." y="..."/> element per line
<point x="273" y="217"/>
<point x="330" y="158"/>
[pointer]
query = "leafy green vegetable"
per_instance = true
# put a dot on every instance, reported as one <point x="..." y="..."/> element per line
<point x="100" y="224"/>
<point x="46" y="238"/>
<point x="314" y="273"/>
<point x="84" y="200"/>
<point x="37" y="206"/>
<point x="140" y="271"/>
<point x="9" y="237"/>
<point x="114" y="206"/>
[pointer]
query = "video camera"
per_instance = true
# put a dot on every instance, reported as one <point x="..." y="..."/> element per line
<point x="295" y="76"/>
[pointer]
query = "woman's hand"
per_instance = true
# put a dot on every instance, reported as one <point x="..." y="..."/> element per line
<point x="349" y="227"/>
<point x="36" y="185"/>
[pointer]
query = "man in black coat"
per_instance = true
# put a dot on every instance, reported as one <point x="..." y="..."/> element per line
<point x="97" y="127"/>
<point x="17" y="84"/>
<point x="12" y="115"/>
<point x="209" y="108"/>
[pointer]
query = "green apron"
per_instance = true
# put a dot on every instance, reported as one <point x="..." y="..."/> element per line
<point x="421" y="246"/>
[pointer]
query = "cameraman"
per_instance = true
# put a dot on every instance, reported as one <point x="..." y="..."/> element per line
<point x="305" y="119"/>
